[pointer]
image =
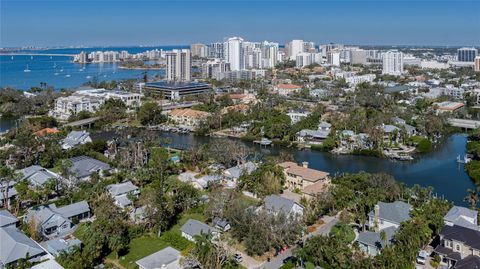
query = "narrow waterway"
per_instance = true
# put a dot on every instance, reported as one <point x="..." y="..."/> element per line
<point x="438" y="168"/>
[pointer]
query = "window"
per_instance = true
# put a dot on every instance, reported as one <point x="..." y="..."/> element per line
<point x="458" y="247"/>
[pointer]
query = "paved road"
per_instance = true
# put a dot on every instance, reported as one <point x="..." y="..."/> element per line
<point x="277" y="261"/>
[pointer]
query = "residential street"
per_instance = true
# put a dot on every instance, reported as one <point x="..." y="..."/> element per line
<point x="277" y="261"/>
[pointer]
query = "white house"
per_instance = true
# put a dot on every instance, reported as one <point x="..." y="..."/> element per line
<point x="193" y="228"/>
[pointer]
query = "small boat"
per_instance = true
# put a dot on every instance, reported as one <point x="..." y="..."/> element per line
<point x="104" y="76"/>
<point x="11" y="58"/>
<point x="50" y="57"/>
<point x="88" y="77"/>
<point x="31" y="57"/>
<point x="61" y="70"/>
<point x="26" y="70"/>
<point x="81" y="70"/>
<point x="56" y="74"/>
<point x="466" y="159"/>
<point x="54" y="65"/>
<point x="67" y="75"/>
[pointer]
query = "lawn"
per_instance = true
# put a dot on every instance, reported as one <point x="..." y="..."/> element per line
<point x="145" y="245"/>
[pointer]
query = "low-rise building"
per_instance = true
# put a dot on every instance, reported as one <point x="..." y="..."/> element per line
<point x="167" y="258"/>
<point x="65" y="107"/>
<point x="37" y="176"/>
<point x="297" y="115"/>
<point x="315" y="136"/>
<point x="459" y="246"/>
<point x="15" y="246"/>
<point x="385" y="218"/>
<point x="448" y="106"/>
<point x="176" y="90"/>
<point x="83" y="167"/>
<point x="462" y="216"/>
<point x="120" y="193"/>
<point x="130" y="99"/>
<point x="54" y="221"/>
<point x="194" y="228"/>
<point x="75" y="138"/>
<point x="7" y="219"/>
<point x="64" y="244"/>
<point x="275" y="204"/>
<point x="188" y="117"/>
<point x="299" y="177"/>
<point x="357" y="79"/>
<point x="286" y="89"/>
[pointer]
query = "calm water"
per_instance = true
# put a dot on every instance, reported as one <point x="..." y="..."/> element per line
<point x="438" y="169"/>
<point x="61" y="72"/>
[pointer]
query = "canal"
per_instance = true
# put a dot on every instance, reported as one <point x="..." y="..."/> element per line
<point x="438" y="168"/>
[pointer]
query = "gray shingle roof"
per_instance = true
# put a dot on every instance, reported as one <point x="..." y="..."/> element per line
<point x="469" y="262"/>
<point x="194" y="227"/>
<point x="167" y="257"/>
<point x="121" y="188"/>
<point x="83" y="166"/>
<point x="277" y="203"/>
<point x="57" y="245"/>
<point x="74" y="138"/>
<point x="456" y="216"/>
<point x="395" y="212"/>
<point x="468" y="236"/>
<point x="74" y="209"/>
<point x="374" y="238"/>
<point x="37" y="175"/>
<point x="237" y="171"/>
<point x="15" y="245"/>
<point x="7" y="218"/>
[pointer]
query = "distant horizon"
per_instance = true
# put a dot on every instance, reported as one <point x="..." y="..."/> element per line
<point x="26" y="47"/>
<point x="48" y="23"/>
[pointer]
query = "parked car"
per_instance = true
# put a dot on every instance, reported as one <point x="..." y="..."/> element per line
<point x="290" y="258"/>
<point x="422" y="257"/>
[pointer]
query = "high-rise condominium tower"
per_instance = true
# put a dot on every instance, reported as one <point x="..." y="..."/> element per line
<point x="179" y="65"/>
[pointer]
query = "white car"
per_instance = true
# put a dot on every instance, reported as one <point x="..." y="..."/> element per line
<point x="422" y="257"/>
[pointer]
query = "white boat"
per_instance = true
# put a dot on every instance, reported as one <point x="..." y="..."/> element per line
<point x="12" y="58"/>
<point x="54" y="65"/>
<point x="67" y="75"/>
<point x="26" y="70"/>
<point x="466" y="159"/>
<point x="89" y="77"/>
<point x="31" y="57"/>
<point x="56" y="74"/>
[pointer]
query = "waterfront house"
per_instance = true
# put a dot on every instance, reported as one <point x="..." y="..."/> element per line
<point x="75" y="138"/>
<point x="189" y="118"/>
<point x="54" y="221"/>
<point x="120" y="193"/>
<point x="299" y="177"/>
<point x="193" y="228"/>
<point x="232" y="174"/>
<point x="459" y="247"/>
<point x="297" y="115"/>
<point x="7" y="219"/>
<point x="167" y="258"/>
<point x="15" y="245"/>
<point x="315" y="136"/>
<point x="275" y="204"/>
<point x="384" y="218"/>
<point x="462" y="216"/>
<point x="386" y="215"/>
<point x="83" y="167"/>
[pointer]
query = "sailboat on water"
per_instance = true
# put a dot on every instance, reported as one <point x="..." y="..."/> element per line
<point x="26" y="70"/>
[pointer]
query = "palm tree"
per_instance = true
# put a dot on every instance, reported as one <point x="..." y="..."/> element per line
<point x="472" y="198"/>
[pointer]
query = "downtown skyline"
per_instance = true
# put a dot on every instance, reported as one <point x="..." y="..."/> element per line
<point x="148" y="23"/>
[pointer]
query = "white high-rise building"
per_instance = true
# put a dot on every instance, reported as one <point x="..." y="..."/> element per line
<point x="233" y="53"/>
<point x="333" y="57"/>
<point x="294" y="47"/>
<point x="392" y="63"/>
<point x="179" y="65"/>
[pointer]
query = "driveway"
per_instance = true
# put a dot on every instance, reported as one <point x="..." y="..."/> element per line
<point x="277" y="261"/>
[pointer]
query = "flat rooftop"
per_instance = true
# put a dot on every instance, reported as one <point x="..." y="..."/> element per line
<point x="175" y="85"/>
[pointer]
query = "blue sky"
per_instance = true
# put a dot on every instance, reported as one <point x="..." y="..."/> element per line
<point x="163" y="22"/>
